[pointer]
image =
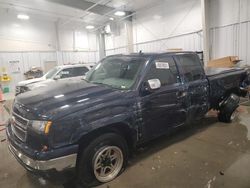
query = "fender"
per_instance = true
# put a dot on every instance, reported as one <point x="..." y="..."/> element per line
<point x="105" y="122"/>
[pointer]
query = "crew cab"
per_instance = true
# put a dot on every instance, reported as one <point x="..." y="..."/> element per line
<point x="58" y="72"/>
<point x="91" y="126"/>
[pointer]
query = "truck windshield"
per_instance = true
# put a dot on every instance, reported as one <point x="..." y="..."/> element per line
<point x="116" y="72"/>
<point x="51" y="73"/>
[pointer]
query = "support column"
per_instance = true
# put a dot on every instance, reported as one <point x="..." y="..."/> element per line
<point x="102" y="48"/>
<point x="205" y="28"/>
<point x="129" y="32"/>
<point x="58" y="43"/>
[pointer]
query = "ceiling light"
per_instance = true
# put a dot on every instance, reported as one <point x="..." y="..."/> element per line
<point x="90" y="27"/>
<point x="120" y="13"/>
<point x="23" y="17"/>
<point x="112" y="19"/>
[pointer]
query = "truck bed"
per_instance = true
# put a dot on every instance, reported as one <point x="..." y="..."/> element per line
<point x="211" y="72"/>
<point x="222" y="82"/>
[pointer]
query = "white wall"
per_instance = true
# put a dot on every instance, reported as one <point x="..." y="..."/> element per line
<point x="168" y="18"/>
<point x="20" y="35"/>
<point x="118" y="38"/>
<point x="34" y="41"/>
<point x="230" y="29"/>
<point x="81" y="40"/>
<point x="168" y="24"/>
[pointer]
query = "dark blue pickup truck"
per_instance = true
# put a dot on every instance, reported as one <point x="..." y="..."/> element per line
<point x="91" y="126"/>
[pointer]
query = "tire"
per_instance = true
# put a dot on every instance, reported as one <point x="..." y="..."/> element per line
<point x="227" y="117"/>
<point x="102" y="160"/>
<point x="228" y="109"/>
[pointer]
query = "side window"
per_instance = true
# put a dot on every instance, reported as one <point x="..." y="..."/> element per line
<point x="80" y="71"/>
<point x="66" y="73"/>
<point x="191" y="67"/>
<point x="165" y="70"/>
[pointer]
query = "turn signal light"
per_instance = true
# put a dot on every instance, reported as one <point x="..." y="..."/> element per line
<point x="47" y="127"/>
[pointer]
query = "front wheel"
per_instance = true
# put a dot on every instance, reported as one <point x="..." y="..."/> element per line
<point x="102" y="160"/>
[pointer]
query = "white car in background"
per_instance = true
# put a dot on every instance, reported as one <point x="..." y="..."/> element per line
<point x="58" y="72"/>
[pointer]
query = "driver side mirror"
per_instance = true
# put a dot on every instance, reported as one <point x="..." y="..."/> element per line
<point x="57" y="77"/>
<point x="151" y="85"/>
<point x="154" y="84"/>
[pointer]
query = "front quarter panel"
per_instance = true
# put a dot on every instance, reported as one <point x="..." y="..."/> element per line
<point x="114" y="109"/>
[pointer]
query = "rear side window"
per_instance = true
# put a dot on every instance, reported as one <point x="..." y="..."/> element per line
<point x="165" y="70"/>
<point x="66" y="73"/>
<point x="191" y="67"/>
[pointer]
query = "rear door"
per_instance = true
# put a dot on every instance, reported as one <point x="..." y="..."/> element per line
<point x="164" y="108"/>
<point x="194" y="78"/>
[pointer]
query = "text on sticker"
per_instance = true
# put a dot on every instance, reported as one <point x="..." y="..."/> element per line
<point x="162" y="65"/>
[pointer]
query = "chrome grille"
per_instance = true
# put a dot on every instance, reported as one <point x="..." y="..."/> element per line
<point x="19" y="126"/>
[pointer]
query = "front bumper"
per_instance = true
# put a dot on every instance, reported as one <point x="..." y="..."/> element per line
<point x="59" y="164"/>
<point x="56" y="160"/>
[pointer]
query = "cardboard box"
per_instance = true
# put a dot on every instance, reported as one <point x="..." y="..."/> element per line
<point x="228" y="62"/>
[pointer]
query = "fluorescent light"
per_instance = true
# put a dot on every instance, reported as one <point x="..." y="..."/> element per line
<point x="112" y="19"/>
<point x="23" y="17"/>
<point x="120" y="13"/>
<point x="90" y="27"/>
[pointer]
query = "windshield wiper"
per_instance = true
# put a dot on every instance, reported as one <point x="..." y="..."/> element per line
<point x="100" y="83"/>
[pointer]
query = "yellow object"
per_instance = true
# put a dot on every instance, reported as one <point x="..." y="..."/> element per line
<point x="47" y="127"/>
<point x="5" y="78"/>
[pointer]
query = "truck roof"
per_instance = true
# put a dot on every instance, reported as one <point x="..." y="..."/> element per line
<point x="148" y="55"/>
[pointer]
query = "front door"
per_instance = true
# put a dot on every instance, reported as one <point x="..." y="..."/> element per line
<point x="164" y="108"/>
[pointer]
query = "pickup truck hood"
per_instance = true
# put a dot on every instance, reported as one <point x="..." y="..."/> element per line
<point x="31" y="81"/>
<point x="63" y="97"/>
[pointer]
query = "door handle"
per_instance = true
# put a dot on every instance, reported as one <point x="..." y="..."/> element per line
<point x="181" y="94"/>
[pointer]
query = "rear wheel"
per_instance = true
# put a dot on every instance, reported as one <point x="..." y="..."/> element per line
<point x="227" y="117"/>
<point x="102" y="160"/>
<point x="228" y="108"/>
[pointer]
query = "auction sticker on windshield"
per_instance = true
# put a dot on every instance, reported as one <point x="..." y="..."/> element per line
<point x="162" y="65"/>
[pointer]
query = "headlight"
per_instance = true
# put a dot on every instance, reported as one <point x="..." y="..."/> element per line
<point x="21" y="89"/>
<point x="41" y="126"/>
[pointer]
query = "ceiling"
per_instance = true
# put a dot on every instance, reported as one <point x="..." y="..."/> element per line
<point x="74" y="12"/>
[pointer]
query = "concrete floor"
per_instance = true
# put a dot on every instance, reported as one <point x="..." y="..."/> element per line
<point x="208" y="154"/>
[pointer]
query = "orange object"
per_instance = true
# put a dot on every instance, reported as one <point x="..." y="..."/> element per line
<point x="47" y="127"/>
<point x="225" y="62"/>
